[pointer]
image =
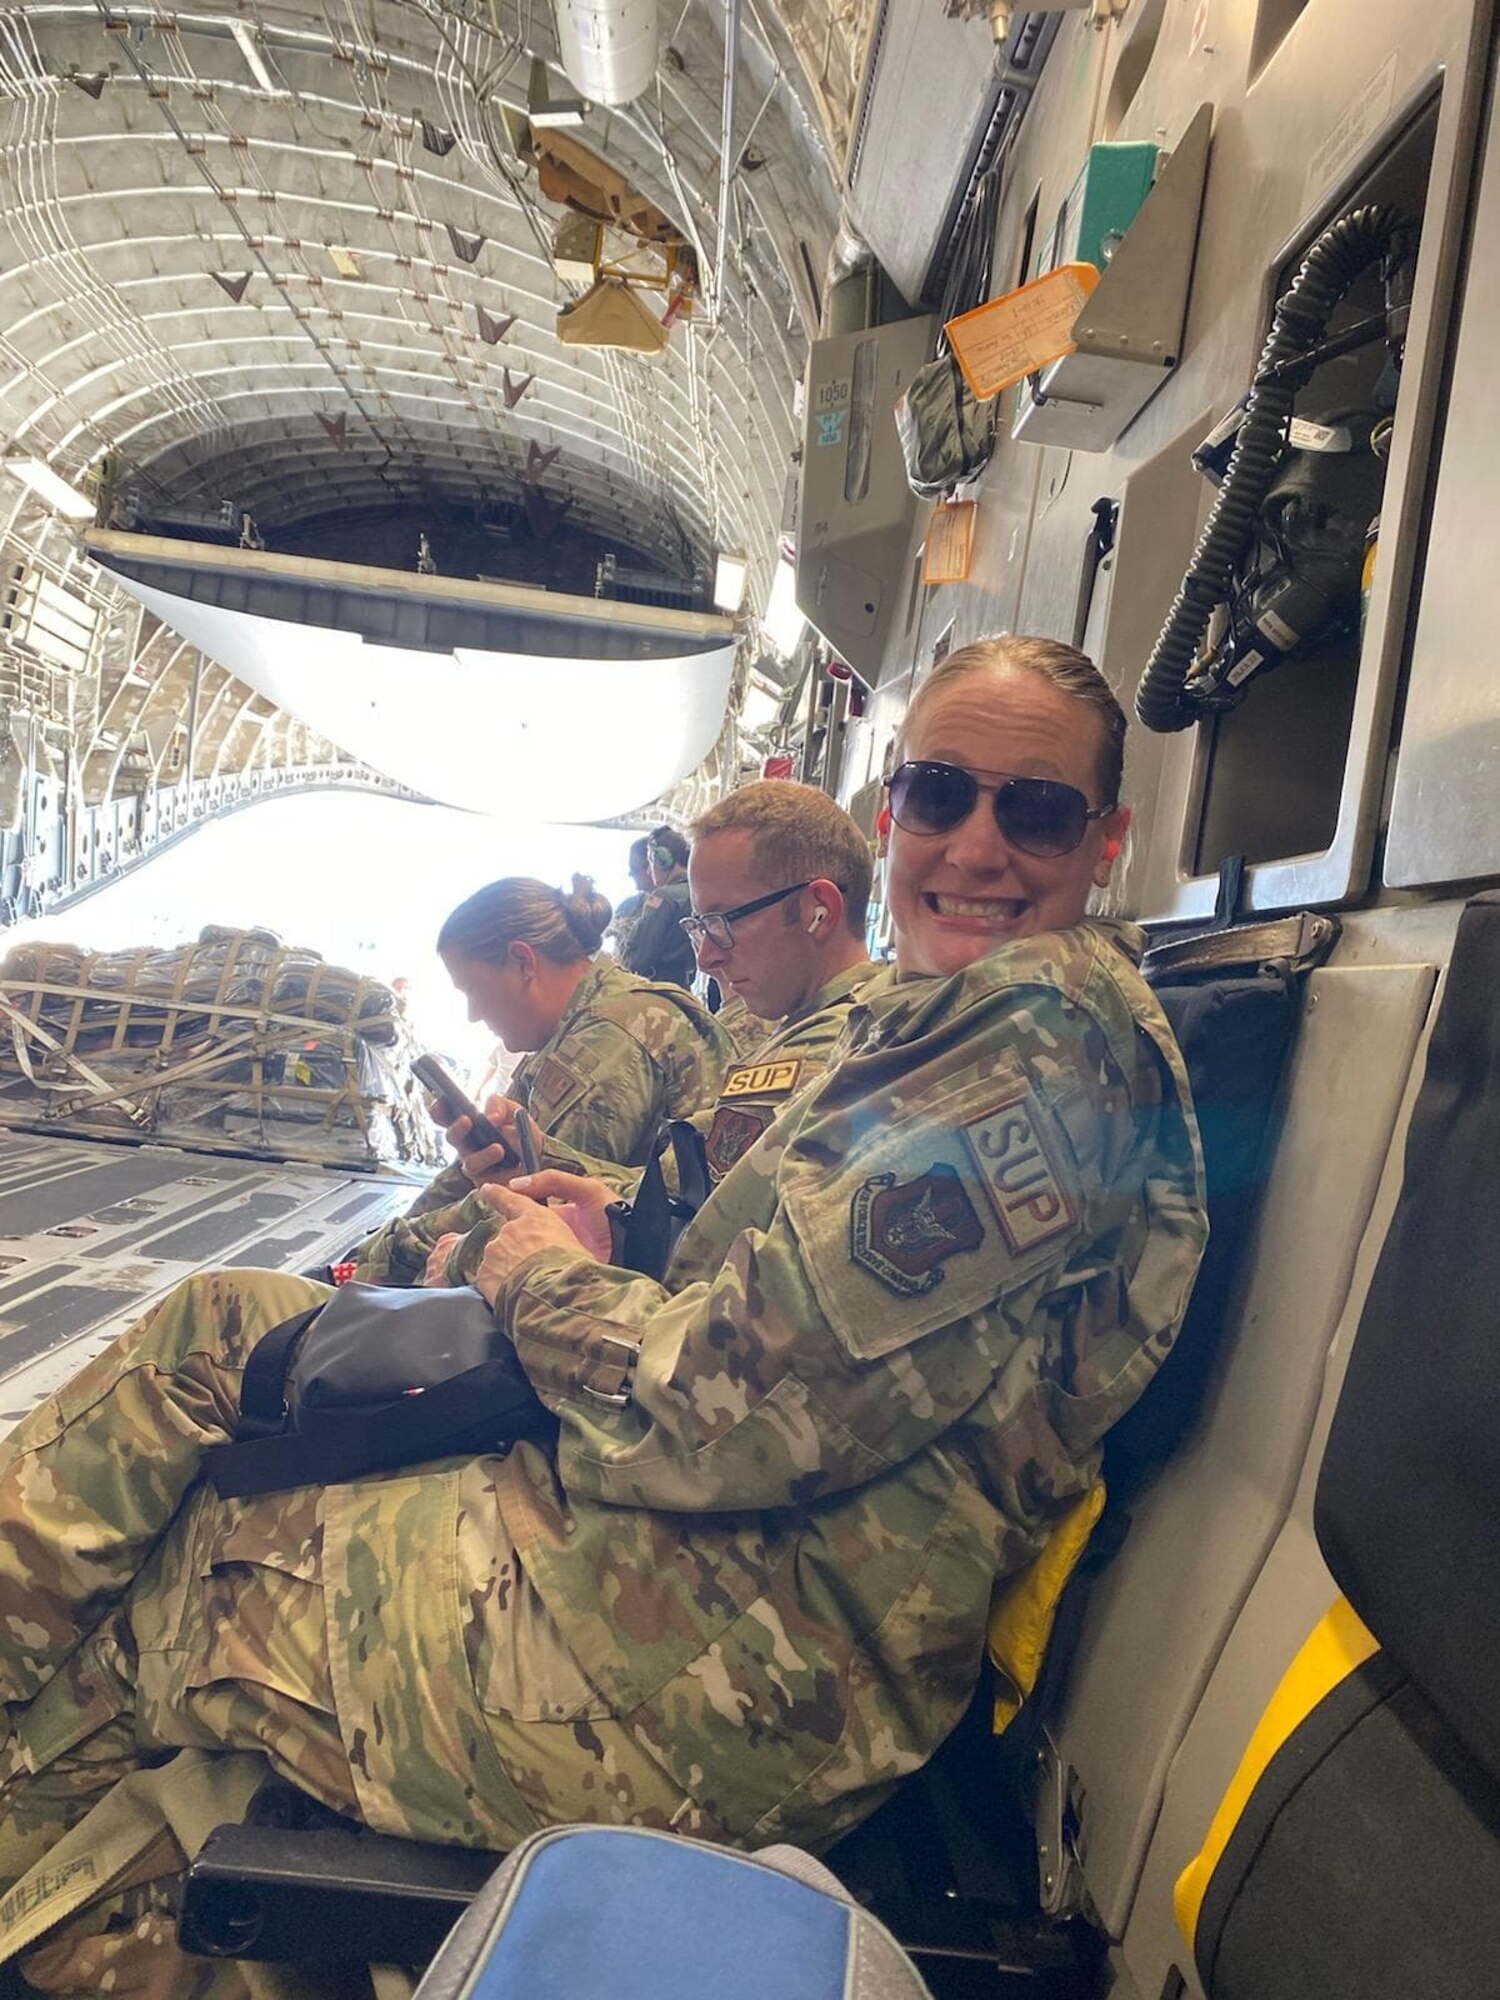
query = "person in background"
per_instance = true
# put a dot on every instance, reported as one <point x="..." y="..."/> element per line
<point x="628" y="910"/>
<point x="780" y="880"/>
<point x="744" y="1591"/>
<point x="656" y="948"/>
<point x="607" y="1056"/>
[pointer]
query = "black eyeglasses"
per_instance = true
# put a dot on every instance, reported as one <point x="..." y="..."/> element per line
<point x="718" y="928"/>
<point x="1038" y="815"/>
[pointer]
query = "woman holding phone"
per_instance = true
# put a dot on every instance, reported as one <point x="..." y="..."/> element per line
<point x="606" y="1056"/>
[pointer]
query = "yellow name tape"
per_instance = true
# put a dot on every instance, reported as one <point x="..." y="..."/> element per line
<point x="762" y="1079"/>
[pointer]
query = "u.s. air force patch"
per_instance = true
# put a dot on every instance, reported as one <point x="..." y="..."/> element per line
<point x="731" y="1135"/>
<point x="905" y="1231"/>
<point x="1019" y="1173"/>
<point x="552" y="1088"/>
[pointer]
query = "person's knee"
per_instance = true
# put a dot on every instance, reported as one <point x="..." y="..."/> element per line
<point x="251" y="1298"/>
<point x="201" y="1334"/>
<point x="223" y="1314"/>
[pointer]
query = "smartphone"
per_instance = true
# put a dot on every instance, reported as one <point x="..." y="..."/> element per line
<point x="531" y="1156"/>
<point x="430" y="1072"/>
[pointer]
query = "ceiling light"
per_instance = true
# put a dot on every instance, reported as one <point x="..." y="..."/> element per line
<point x="549" y="103"/>
<point x="731" y="574"/>
<point x="50" y="487"/>
<point x="255" y="62"/>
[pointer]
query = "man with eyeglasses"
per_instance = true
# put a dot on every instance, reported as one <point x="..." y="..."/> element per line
<point x="780" y="877"/>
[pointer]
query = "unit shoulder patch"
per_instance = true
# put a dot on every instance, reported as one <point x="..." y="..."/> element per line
<point x="777" y="1077"/>
<point x="1020" y="1174"/>
<point x="904" y="1232"/>
<point x="731" y="1136"/>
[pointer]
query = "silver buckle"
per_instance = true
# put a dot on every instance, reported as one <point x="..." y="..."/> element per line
<point x="620" y="1399"/>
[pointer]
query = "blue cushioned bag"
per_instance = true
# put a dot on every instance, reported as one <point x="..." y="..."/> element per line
<point x="621" y="1913"/>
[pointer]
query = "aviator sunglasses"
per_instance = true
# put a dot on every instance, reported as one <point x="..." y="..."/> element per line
<point x="1037" y="815"/>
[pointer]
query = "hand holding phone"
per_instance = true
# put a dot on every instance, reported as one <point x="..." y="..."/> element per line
<point x="455" y="1104"/>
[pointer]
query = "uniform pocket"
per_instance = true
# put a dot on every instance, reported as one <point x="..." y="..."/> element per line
<point x="521" y="1664"/>
<point x="261" y="1595"/>
<point x="235" y="1593"/>
<point x="941" y="1202"/>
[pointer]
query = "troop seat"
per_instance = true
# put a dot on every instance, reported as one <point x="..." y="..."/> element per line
<point x="1356" y="1855"/>
<point x="948" y="1863"/>
<point x="294" y="1882"/>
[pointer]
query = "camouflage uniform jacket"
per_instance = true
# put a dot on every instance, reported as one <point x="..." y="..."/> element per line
<point x="625" y="1055"/>
<point x="791" y="1056"/>
<point x="885" y="1357"/>
<point x="746" y="1030"/>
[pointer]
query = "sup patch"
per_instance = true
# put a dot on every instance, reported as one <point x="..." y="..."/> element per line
<point x="1019" y="1173"/>
<point x="761" y="1079"/>
<point x="731" y="1135"/>
<point x="905" y="1231"/>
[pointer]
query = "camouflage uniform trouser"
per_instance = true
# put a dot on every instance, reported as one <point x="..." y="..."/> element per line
<point x="139" y="1614"/>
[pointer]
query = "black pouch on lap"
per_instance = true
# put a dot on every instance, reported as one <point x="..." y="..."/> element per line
<point x="374" y="1379"/>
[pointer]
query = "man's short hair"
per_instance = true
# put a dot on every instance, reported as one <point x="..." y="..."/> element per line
<point x="797" y="834"/>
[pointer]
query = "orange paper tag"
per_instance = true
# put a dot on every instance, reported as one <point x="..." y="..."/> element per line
<point x="999" y="342"/>
<point x="950" y="542"/>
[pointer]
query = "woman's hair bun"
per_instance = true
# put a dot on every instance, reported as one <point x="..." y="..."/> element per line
<point x="586" y="913"/>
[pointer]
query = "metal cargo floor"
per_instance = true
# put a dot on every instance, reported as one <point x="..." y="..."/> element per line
<point x="91" y="1234"/>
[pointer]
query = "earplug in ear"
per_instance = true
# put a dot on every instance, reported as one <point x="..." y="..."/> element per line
<point x="1111" y="849"/>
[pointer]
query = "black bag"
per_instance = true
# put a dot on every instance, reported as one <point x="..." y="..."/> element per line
<point x="377" y="1377"/>
<point x="371" y="1379"/>
<point x="947" y="435"/>
<point x="645" y="1231"/>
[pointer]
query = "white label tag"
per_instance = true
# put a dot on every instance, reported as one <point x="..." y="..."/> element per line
<point x="1242" y="669"/>
<point x="1308" y="436"/>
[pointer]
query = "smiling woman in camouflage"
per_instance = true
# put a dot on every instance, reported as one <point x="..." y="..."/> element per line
<point x="746" y="1590"/>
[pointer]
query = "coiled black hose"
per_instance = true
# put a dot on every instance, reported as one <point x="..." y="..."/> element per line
<point x="1345" y="249"/>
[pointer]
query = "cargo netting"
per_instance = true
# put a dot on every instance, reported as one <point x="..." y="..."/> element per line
<point x="237" y="1043"/>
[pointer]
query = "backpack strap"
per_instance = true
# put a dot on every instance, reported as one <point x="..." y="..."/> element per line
<point x="439" y="1423"/>
<point x="644" y="1233"/>
<point x="263" y="1385"/>
<point x="690" y="1150"/>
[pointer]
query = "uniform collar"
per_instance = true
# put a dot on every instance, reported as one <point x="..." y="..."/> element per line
<point x="838" y="988"/>
<point x="583" y="994"/>
<point x="895" y="1007"/>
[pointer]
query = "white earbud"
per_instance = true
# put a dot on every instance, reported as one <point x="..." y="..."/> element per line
<point x="816" y="924"/>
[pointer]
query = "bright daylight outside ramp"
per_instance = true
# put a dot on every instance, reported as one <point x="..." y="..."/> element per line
<point x="491" y="696"/>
